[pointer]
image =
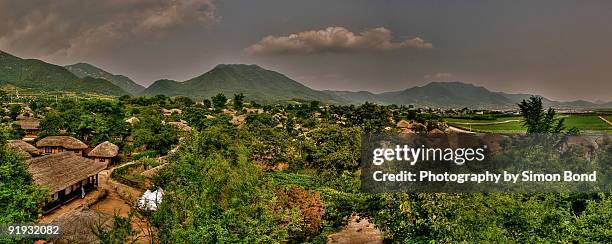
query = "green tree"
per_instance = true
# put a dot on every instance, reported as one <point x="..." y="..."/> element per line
<point x="19" y="195"/>
<point x="152" y="134"/>
<point x="238" y="101"/>
<point x="206" y="103"/>
<point x="52" y="124"/>
<point x="219" y="101"/>
<point x="183" y="101"/>
<point x="3" y="96"/>
<point x="14" y="111"/>
<point x="537" y="120"/>
<point x="214" y="194"/>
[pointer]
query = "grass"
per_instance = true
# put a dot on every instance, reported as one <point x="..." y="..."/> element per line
<point x="587" y="124"/>
<point x="504" y="125"/>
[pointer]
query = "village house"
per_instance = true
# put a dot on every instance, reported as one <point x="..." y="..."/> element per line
<point x="181" y="125"/>
<point x="229" y="111"/>
<point x="58" y="144"/>
<point x="238" y="120"/>
<point x="66" y="175"/>
<point x="104" y="153"/>
<point x="24" y="149"/>
<point x="168" y="112"/>
<point x="405" y="127"/>
<point x="254" y="110"/>
<point x="30" y="126"/>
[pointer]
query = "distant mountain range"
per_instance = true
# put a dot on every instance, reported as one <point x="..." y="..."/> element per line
<point x="456" y="94"/>
<point x="38" y="75"/>
<point x="83" y="70"/>
<point x="257" y="84"/>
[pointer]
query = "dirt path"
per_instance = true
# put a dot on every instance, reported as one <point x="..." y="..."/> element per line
<point x="605" y="120"/>
<point x="118" y="196"/>
<point x="458" y="130"/>
<point x="357" y="231"/>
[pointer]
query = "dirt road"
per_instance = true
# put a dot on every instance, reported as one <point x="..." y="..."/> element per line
<point x="357" y="231"/>
<point x="605" y="120"/>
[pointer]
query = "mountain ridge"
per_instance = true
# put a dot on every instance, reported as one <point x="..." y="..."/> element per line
<point x="39" y="75"/>
<point x="255" y="82"/>
<point x="82" y="70"/>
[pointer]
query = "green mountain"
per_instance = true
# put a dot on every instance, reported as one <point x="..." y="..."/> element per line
<point x="82" y="70"/>
<point x="356" y="97"/>
<point x="446" y="94"/>
<point x="255" y="82"/>
<point x="38" y="75"/>
<point x="454" y="95"/>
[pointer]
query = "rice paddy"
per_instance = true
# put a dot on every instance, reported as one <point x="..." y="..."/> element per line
<point x="588" y="124"/>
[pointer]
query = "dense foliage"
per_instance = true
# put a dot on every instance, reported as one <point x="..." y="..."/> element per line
<point x="19" y="195"/>
<point x="290" y="173"/>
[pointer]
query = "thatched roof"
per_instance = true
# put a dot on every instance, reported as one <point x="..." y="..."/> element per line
<point x="436" y="131"/>
<point x="132" y="120"/>
<point x="77" y="226"/>
<point x="104" y="150"/>
<point x="23" y="146"/>
<point x="67" y="142"/>
<point x="29" y="123"/>
<point x="171" y="111"/>
<point x="238" y="120"/>
<point x="404" y="124"/>
<point x="182" y="125"/>
<point x="61" y="170"/>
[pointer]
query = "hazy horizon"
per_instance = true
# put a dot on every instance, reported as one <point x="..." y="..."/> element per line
<point x="557" y="49"/>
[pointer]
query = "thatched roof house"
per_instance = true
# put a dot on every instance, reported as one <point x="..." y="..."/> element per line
<point x="76" y="226"/>
<point x="57" y="144"/>
<point x="254" y="110"/>
<point x="24" y="149"/>
<point x="104" y="150"/>
<point x="29" y="148"/>
<point x="238" y="120"/>
<point x="29" y="123"/>
<point x="168" y="112"/>
<point x="30" y="126"/>
<point x="67" y="142"/>
<point x="62" y="170"/>
<point x="404" y="124"/>
<point x="181" y="125"/>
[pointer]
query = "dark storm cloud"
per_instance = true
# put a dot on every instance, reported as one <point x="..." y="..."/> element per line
<point x="56" y="29"/>
<point x="333" y="40"/>
<point x="556" y="48"/>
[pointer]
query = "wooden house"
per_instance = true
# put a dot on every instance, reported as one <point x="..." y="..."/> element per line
<point x="58" y="144"/>
<point x="104" y="153"/>
<point x="66" y="175"/>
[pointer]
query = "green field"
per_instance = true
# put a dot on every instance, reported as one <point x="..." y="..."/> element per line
<point x="585" y="123"/>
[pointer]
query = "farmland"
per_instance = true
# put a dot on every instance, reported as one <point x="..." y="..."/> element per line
<point x="588" y="124"/>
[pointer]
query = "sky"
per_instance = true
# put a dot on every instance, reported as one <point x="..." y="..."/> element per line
<point x="559" y="49"/>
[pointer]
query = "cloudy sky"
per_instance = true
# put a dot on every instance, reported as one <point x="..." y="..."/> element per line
<point x="559" y="49"/>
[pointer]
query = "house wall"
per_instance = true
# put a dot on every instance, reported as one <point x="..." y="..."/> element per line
<point x="54" y="150"/>
<point x="69" y="193"/>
